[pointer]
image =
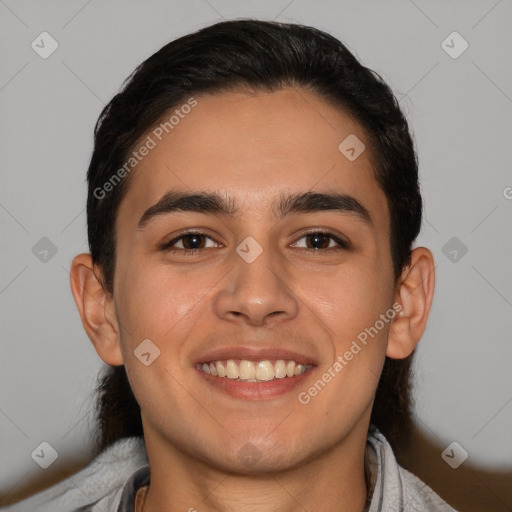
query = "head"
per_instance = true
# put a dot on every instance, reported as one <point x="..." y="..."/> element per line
<point x="254" y="113"/>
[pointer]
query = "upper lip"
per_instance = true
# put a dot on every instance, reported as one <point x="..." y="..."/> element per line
<point x="254" y="354"/>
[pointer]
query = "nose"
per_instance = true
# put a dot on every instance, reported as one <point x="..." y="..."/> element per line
<point x="256" y="293"/>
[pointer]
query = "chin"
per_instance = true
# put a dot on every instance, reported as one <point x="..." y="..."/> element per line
<point x="259" y="456"/>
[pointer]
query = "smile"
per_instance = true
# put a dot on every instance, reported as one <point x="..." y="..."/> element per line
<point x="253" y="371"/>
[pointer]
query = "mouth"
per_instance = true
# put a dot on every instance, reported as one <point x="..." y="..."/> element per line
<point x="244" y="370"/>
<point x="254" y="374"/>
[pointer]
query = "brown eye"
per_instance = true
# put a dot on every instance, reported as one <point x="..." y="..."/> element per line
<point x="189" y="243"/>
<point x="192" y="242"/>
<point x="317" y="240"/>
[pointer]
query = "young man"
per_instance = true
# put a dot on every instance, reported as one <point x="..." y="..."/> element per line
<point x="253" y="200"/>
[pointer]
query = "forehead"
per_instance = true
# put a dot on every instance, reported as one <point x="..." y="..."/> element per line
<point x="252" y="147"/>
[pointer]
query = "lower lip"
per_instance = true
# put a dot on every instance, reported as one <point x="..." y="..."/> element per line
<point x="255" y="390"/>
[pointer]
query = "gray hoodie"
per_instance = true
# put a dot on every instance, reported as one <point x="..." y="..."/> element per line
<point x="110" y="481"/>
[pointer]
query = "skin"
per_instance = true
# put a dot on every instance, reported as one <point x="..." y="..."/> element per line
<point x="254" y="147"/>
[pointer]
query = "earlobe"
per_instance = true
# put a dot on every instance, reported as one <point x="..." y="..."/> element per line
<point x="96" y="310"/>
<point x="415" y="292"/>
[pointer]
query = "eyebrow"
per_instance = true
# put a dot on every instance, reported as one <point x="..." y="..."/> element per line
<point x="216" y="204"/>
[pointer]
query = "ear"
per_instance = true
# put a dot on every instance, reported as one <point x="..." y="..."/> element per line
<point x="414" y="294"/>
<point x="97" y="309"/>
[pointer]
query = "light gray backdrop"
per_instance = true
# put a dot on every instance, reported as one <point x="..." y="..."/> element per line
<point x="459" y="102"/>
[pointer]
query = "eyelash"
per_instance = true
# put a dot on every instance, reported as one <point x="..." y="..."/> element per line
<point x="167" y="246"/>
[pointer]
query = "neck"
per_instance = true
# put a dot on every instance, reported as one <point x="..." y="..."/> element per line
<point x="333" y="480"/>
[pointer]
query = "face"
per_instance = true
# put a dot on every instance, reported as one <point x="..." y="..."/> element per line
<point x="272" y="273"/>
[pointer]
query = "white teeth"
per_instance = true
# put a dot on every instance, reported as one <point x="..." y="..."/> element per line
<point x="221" y="370"/>
<point x="247" y="370"/>
<point x="300" y="368"/>
<point x="264" y="370"/>
<point x="280" y="369"/>
<point x="231" y="369"/>
<point x="253" y="371"/>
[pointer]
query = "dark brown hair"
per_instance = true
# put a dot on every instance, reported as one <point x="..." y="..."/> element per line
<point x="256" y="55"/>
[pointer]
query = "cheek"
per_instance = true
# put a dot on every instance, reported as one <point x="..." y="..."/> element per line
<point x="157" y="302"/>
<point x="351" y="309"/>
<point x="349" y="300"/>
<point x="164" y="306"/>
